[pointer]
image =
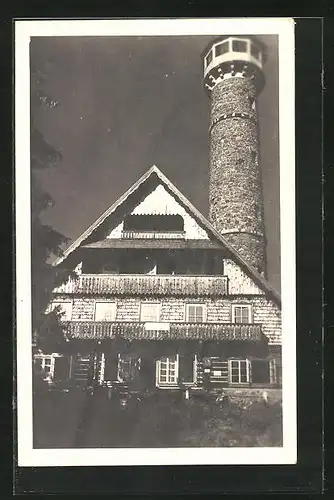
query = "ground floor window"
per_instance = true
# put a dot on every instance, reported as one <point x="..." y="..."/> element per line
<point x="167" y="370"/>
<point x="44" y="363"/>
<point x="239" y="371"/>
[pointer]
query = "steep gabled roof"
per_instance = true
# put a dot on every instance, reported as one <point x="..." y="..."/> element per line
<point x="154" y="170"/>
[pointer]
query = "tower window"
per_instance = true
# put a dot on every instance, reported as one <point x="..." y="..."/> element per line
<point x="222" y="48"/>
<point x="208" y="58"/>
<point x="254" y="155"/>
<point x="255" y="52"/>
<point x="239" y="46"/>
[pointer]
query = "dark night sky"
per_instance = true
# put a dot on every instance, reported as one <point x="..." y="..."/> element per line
<point x="127" y="103"/>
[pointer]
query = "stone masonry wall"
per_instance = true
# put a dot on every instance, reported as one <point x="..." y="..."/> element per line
<point x="236" y="199"/>
<point x="264" y="311"/>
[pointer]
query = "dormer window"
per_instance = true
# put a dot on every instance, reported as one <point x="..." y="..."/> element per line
<point x="153" y="226"/>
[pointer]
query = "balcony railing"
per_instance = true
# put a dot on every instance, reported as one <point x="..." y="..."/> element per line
<point x="163" y="331"/>
<point x="142" y="284"/>
<point x="166" y="235"/>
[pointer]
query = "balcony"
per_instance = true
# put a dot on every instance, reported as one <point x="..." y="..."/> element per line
<point x="148" y="285"/>
<point x="153" y="235"/>
<point x="91" y="330"/>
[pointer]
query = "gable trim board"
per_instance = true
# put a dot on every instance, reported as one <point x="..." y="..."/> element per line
<point x="250" y="271"/>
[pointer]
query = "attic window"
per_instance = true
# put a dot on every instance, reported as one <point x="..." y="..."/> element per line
<point x="159" y="223"/>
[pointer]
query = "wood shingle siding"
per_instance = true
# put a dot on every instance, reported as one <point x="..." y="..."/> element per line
<point x="173" y="309"/>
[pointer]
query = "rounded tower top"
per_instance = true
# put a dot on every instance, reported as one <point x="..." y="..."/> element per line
<point x="234" y="56"/>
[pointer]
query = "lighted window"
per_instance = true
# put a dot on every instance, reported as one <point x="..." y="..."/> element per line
<point x="239" y="371"/>
<point x="208" y="58"/>
<point x="167" y="370"/>
<point x="65" y="309"/>
<point x="195" y="313"/>
<point x="241" y="313"/>
<point x="149" y="311"/>
<point x="239" y="46"/>
<point x="222" y="48"/>
<point x="105" y="311"/>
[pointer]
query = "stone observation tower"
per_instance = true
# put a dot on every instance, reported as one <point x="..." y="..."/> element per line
<point x="233" y="78"/>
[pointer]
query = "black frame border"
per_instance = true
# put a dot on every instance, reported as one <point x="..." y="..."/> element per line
<point x="307" y="475"/>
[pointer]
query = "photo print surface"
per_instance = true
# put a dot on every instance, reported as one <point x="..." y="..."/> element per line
<point x="158" y="234"/>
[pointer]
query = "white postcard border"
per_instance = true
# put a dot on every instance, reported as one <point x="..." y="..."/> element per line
<point x="27" y="456"/>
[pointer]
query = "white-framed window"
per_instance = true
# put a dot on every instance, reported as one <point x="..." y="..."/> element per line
<point x="195" y="313"/>
<point x="238" y="371"/>
<point x="45" y="363"/>
<point x="105" y="311"/>
<point x="150" y="311"/>
<point x="65" y="309"/>
<point x="241" y="313"/>
<point x="167" y="370"/>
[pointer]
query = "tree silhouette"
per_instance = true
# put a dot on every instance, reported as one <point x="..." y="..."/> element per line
<point x="47" y="242"/>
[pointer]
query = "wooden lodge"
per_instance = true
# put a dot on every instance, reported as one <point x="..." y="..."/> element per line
<point x="162" y="301"/>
